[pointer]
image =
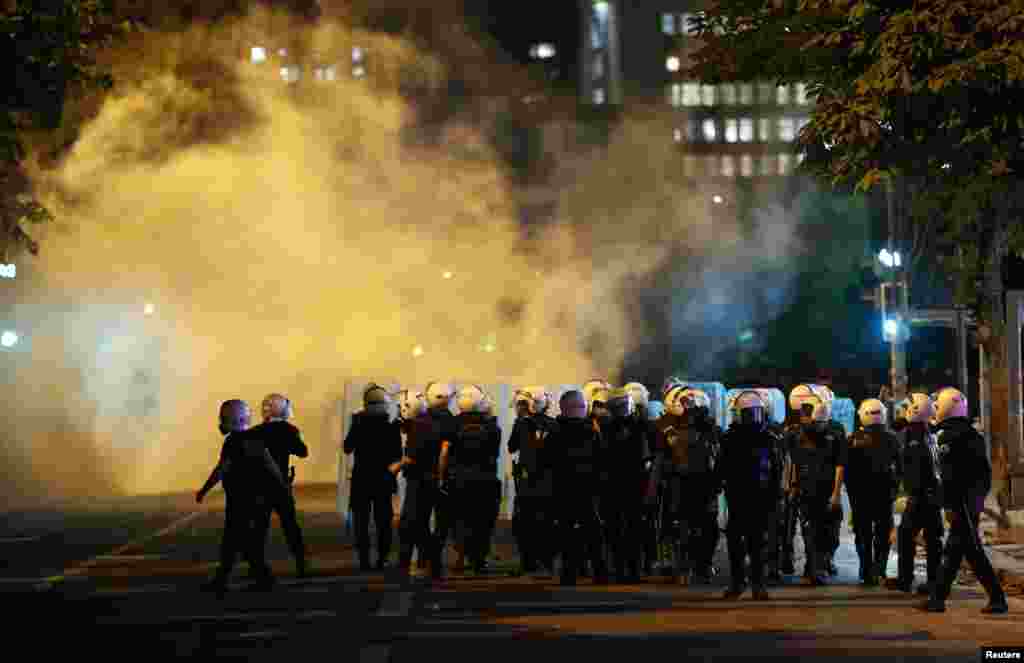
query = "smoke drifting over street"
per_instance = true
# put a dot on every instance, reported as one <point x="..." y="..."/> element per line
<point x="222" y="234"/>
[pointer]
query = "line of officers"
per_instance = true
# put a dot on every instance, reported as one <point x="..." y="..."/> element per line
<point x="616" y="478"/>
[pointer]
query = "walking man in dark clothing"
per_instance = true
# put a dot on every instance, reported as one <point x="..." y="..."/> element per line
<point x="283" y="439"/>
<point x="872" y="473"/>
<point x="251" y="480"/>
<point x="966" y="480"/>
<point x="922" y="511"/>
<point x="376" y="442"/>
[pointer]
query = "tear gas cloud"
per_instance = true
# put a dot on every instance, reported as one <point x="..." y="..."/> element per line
<point x="222" y="234"/>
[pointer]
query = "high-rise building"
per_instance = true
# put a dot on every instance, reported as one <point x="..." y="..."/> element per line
<point x="637" y="52"/>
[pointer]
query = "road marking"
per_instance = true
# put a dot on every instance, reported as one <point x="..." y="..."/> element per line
<point x="398" y="605"/>
<point x="83" y="567"/>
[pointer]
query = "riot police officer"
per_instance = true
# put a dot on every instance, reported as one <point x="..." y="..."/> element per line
<point x="424" y="463"/>
<point x="687" y="442"/>
<point x="819" y="457"/>
<point x="872" y="474"/>
<point x="533" y="516"/>
<point x="577" y="454"/>
<point x="628" y="450"/>
<point x="966" y="480"/>
<point x="750" y="474"/>
<point x="252" y="480"/>
<point x="473" y="476"/>
<point x="922" y="511"/>
<point x="376" y="442"/>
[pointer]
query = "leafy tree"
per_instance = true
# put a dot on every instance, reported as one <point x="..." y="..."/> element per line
<point x="923" y="98"/>
<point x="50" y="45"/>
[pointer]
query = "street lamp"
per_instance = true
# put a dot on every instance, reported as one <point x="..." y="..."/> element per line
<point x="417" y="351"/>
<point x="149" y="309"/>
<point x="447" y="275"/>
<point x="8" y="271"/>
<point x="891" y="328"/>
<point x="889" y="259"/>
<point x="718" y="200"/>
<point x="8" y="339"/>
<point x="543" y="51"/>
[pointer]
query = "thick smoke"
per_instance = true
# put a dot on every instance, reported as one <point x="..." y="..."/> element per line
<point x="226" y="235"/>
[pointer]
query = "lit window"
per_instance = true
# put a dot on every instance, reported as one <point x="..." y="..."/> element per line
<point x="668" y="24"/>
<point x="784" y="164"/>
<point x="599" y="96"/>
<point x="359" y="71"/>
<point x="672" y="64"/>
<point x="711" y="165"/>
<point x="800" y="91"/>
<point x="690" y="166"/>
<point x="746" y="165"/>
<point x="675" y="95"/>
<point x="767" y="165"/>
<point x="291" y="73"/>
<point x="707" y="95"/>
<point x="328" y="73"/>
<point x="782" y="95"/>
<point x="746" y="94"/>
<point x="728" y="166"/>
<point x="732" y="130"/>
<point x="691" y="94"/>
<point x="259" y="54"/>
<point x="358" y="54"/>
<point x="709" y="131"/>
<point x="684" y="24"/>
<point x="746" y="129"/>
<point x="766" y="93"/>
<point x="764" y="129"/>
<point x="727" y="92"/>
<point x="599" y="25"/>
<point x="787" y="129"/>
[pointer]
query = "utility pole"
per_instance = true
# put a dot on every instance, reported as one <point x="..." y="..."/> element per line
<point x="896" y="331"/>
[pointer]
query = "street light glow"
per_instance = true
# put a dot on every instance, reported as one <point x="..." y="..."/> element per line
<point x="417" y="351"/>
<point x="889" y="259"/>
<point x="447" y="275"/>
<point x="673" y="64"/>
<point x="8" y="339"/>
<point x="543" y="51"/>
<point x="8" y="271"/>
<point x="718" y="200"/>
<point x="891" y="328"/>
<point x="149" y="309"/>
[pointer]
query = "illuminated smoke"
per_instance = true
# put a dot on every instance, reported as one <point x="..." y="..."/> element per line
<point x="224" y="235"/>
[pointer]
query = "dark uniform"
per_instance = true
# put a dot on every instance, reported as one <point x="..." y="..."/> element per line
<point x="533" y="517"/>
<point x="688" y="451"/>
<point x="922" y="511"/>
<point x="576" y="455"/>
<point x="872" y="473"/>
<point x="626" y="450"/>
<point x="422" y="494"/>
<point x="249" y="488"/>
<point x="966" y="480"/>
<point x="748" y="469"/>
<point x="834" y="516"/>
<point x="283" y="439"/>
<point x="816" y="453"/>
<point x="775" y="544"/>
<point x="376" y="442"/>
<point x="475" y="495"/>
<point x="649" y="517"/>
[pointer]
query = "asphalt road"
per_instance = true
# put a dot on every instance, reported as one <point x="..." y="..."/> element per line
<point x="145" y="598"/>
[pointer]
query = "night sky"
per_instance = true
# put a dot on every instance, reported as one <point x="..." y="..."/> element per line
<point x="516" y="26"/>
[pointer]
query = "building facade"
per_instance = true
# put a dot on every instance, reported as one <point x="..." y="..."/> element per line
<point x="637" y="52"/>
